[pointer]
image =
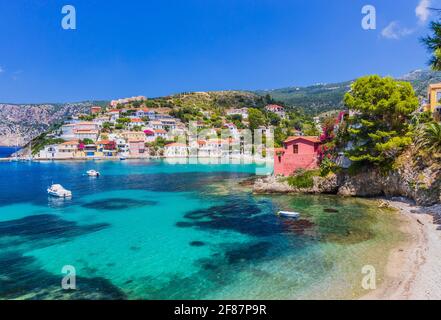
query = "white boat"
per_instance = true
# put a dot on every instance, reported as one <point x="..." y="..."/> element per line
<point x="57" y="190"/>
<point x="93" y="173"/>
<point x="289" y="214"/>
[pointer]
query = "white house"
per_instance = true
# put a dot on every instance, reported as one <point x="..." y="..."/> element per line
<point x="177" y="150"/>
<point x="279" y="110"/>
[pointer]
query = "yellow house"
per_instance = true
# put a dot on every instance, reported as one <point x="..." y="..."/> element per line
<point x="434" y="94"/>
<point x="133" y="135"/>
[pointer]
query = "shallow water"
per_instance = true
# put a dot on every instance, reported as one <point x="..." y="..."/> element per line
<point x="155" y="230"/>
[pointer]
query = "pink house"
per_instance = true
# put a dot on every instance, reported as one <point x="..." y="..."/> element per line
<point x="137" y="148"/>
<point x="297" y="153"/>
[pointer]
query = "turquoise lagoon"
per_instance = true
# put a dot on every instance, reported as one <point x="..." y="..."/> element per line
<point x="159" y="230"/>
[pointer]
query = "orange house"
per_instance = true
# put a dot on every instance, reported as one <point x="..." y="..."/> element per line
<point x="297" y="153"/>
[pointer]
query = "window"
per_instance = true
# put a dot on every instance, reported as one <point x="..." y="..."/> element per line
<point x="295" y="148"/>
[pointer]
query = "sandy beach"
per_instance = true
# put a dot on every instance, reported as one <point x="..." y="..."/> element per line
<point x="413" y="271"/>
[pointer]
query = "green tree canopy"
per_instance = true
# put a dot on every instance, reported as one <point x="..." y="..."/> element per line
<point x="379" y="128"/>
<point x="433" y="44"/>
<point x="256" y="118"/>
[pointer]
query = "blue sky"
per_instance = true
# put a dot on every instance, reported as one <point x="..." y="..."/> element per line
<point x="155" y="48"/>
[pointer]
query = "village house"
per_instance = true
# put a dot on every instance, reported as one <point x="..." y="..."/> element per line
<point x="86" y="126"/>
<point x="48" y="152"/>
<point x="141" y="113"/>
<point x="137" y="148"/>
<point x="297" y="153"/>
<point x="69" y="150"/>
<point x="101" y="120"/>
<point x="156" y="125"/>
<point x="160" y="133"/>
<point x="106" y="148"/>
<point x="133" y="135"/>
<point x="90" y="150"/>
<point x="67" y="131"/>
<point x="122" y="146"/>
<point x="176" y="150"/>
<point x="279" y="110"/>
<point x="136" y="122"/>
<point x="168" y="124"/>
<point x="86" y="134"/>
<point x="95" y="110"/>
<point x="434" y="100"/>
<point x="114" y="115"/>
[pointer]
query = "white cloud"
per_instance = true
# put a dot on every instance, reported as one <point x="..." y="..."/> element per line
<point x="422" y="11"/>
<point x="395" y="31"/>
<point x="1" y="69"/>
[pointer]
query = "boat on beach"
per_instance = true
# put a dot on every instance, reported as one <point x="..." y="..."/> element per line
<point x="57" y="190"/>
<point x="93" y="173"/>
<point x="289" y="214"/>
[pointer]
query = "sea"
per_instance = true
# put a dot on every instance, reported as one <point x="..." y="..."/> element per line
<point x="7" y="151"/>
<point x="160" y="229"/>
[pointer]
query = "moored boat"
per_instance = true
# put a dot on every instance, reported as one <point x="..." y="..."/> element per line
<point x="93" y="173"/>
<point x="289" y="214"/>
<point x="57" y="190"/>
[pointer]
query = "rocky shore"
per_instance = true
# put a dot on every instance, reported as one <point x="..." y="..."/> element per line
<point x="415" y="177"/>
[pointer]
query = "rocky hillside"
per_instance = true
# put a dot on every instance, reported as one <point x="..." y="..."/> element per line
<point x="20" y="123"/>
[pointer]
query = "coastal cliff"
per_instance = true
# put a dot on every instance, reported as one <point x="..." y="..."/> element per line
<point x="414" y="177"/>
<point x="20" y="123"/>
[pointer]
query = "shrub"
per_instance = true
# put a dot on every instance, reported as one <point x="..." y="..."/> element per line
<point x="303" y="179"/>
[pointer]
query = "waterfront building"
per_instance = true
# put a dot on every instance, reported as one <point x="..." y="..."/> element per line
<point x="106" y="148"/>
<point x="137" y="148"/>
<point x="175" y="149"/>
<point x="297" y="153"/>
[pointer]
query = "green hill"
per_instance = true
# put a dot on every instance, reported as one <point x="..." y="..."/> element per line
<point x="322" y="98"/>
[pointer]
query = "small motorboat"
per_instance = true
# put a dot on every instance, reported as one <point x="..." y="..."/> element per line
<point x="93" y="173"/>
<point x="57" y="190"/>
<point x="122" y="158"/>
<point x="289" y="214"/>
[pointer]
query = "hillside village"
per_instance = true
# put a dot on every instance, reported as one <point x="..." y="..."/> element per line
<point x="127" y="128"/>
<point x="138" y="127"/>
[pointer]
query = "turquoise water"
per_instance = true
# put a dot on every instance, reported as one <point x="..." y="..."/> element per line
<point x="155" y="230"/>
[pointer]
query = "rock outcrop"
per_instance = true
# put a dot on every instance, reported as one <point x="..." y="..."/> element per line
<point x="414" y="177"/>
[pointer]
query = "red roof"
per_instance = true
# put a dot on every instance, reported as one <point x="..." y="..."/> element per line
<point x="160" y="131"/>
<point x="307" y="138"/>
<point x="135" y="120"/>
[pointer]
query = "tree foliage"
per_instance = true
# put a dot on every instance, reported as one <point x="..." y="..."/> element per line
<point x="433" y="45"/>
<point x="429" y="137"/>
<point x="379" y="128"/>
